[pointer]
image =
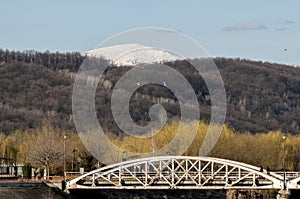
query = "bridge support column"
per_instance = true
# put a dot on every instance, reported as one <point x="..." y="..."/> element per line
<point x="231" y="194"/>
<point x="283" y="194"/>
<point x="239" y="194"/>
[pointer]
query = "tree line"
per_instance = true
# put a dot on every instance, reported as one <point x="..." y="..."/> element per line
<point x="264" y="149"/>
<point x="57" y="61"/>
<point x="43" y="147"/>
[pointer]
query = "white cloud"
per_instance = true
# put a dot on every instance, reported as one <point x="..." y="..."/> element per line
<point x="245" y="26"/>
<point x="286" y="25"/>
<point x="281" y="29"/>
<point x="289" y="22"/>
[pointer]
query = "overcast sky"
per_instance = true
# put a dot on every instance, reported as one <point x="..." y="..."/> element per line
<point x="258" y="30"/>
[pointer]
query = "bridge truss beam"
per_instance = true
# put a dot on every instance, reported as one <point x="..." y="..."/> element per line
<point x="177" y="172"/>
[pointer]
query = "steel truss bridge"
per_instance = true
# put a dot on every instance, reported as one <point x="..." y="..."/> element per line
<point x="184" y="172"/>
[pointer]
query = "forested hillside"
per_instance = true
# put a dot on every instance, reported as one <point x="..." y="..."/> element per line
<point x="37" y="87"/>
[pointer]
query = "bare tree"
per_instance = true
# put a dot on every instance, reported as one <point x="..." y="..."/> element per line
<point x="46" y="147"/>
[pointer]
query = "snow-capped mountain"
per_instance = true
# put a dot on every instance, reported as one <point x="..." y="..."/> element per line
<point x="132" y="54"/>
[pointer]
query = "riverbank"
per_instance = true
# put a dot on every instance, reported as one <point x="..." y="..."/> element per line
<point x="30" y="190"/>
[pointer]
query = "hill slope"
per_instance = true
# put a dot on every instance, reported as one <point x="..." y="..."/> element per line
<point x="36" y="87"/>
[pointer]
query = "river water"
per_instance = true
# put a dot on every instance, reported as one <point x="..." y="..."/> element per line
<point x="29" y="193"/>
<point x="44" y="192"/>
<point x="143" y="194"/>
<point x="177" y="194"/>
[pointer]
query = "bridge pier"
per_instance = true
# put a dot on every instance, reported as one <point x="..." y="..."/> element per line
<point x="283" y="194"/>
<point x="240" y="194"/>
<point x="257" y="194"/>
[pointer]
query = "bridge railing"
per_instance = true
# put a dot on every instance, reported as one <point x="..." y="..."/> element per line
<point x="73" y="174"/>
<point x="289" y="174"/>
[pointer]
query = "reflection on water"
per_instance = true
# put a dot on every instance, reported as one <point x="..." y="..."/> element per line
<point x="143" y="194"/>
<point x="177" y="194"/>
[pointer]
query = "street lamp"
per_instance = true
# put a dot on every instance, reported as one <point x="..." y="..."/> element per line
<point x="74" y="159"/>
<point x="65" y="138"/>
<point x="284" y="138"/>
<point x="124" y="155"/>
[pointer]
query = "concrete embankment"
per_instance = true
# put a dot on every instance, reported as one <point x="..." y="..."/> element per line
<point x="30" y="190"/>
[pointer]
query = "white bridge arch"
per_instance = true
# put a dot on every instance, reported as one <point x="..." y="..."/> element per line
<point x="178" y="172"/>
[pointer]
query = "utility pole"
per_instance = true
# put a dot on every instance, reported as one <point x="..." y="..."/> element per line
<point x="284" y="177"/>
<point x="65" y="138"/>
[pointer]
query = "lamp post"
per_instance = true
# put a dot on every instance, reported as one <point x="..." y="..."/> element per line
<point x="153" y="144"/>
<point x="284" y="183"/>
<point x="65" y="138"/>
<point x="125" y="155"/>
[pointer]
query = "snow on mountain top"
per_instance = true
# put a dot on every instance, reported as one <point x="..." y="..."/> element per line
<point x="132" y="54"/>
